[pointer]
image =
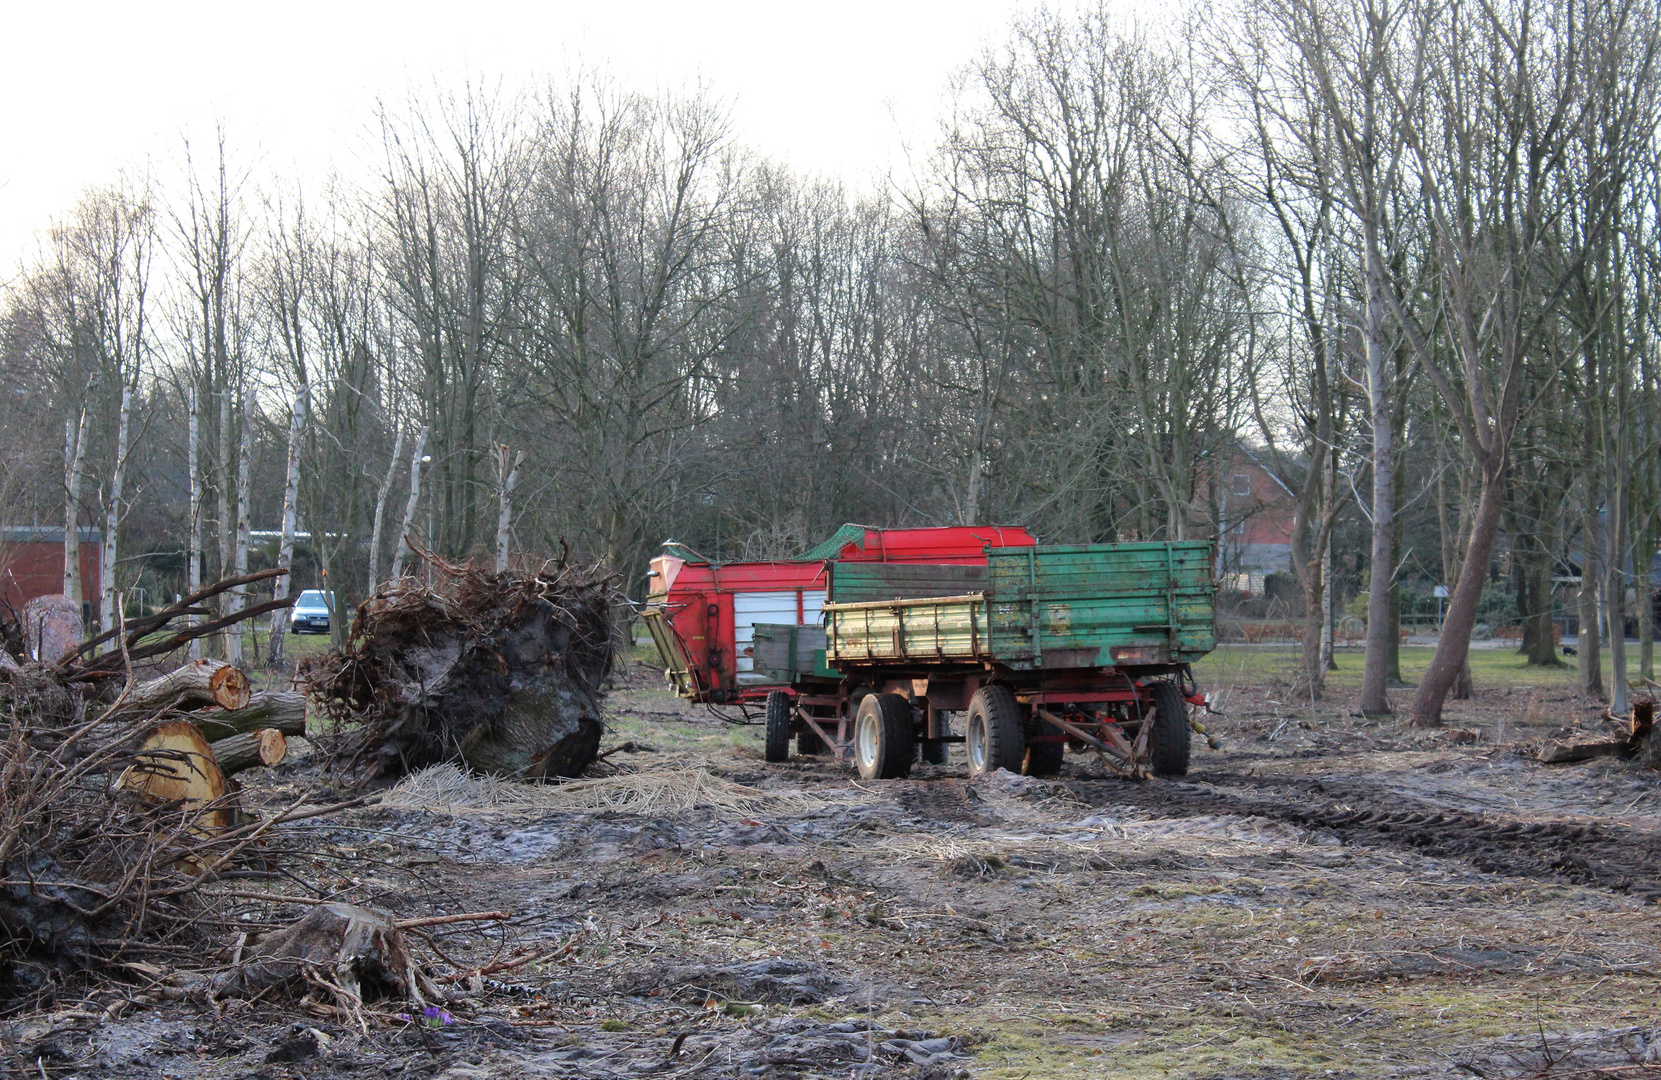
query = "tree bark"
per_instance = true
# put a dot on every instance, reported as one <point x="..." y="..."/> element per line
<point x="1589" y="659"/>
<point x="411" y="505"/>
<point x="244" y="480"/>
<point x="112" y="518"/>
<point x="238" y="753"/>
<point x="283" y="710"/>
<point x="1374" y="679"/>
<point x="291" y="511"/>
<point x="506" y="477"/>
<point x="74" y="464"/>
<point x="1453" y="646"/>
<point x="197" y="684"/>
<point x="193" y="571"/>
<point x="380" y="512"/>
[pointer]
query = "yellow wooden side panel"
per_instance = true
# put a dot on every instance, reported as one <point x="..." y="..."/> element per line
<point x="951" y="628"/>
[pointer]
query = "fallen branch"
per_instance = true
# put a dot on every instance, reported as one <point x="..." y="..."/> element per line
<point x="445" y="920"/>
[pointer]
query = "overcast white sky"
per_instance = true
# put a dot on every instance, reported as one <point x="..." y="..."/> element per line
<point x="91" y="88"/>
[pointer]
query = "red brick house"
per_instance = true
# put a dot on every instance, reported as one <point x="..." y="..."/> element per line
<point x="1255" y="517"/>
<point x="31" y="562"/>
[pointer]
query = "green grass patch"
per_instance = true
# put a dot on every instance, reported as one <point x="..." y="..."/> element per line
<point x="1266" y="665"/>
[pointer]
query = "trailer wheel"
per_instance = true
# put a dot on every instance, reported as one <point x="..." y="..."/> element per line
<point x="778" y="727"/>
<point x="1169" y="741"/>
<point x="992" y="735"/>
<point x="883" y="740"/>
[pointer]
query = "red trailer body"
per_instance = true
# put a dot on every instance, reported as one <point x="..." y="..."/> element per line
<point x="709" y="610"/>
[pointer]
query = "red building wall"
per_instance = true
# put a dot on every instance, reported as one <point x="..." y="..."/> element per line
<point x="31" y="564"/>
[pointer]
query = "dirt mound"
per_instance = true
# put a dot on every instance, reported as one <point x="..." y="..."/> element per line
<point x="500" y="670"/>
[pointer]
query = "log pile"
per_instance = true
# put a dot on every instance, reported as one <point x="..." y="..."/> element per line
<point x="56" y="678"/>
<point x="501" y="670"/>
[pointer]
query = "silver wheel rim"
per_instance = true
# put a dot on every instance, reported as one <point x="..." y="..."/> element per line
<point x="865" y="741"/>
<point x="976" y="739"/>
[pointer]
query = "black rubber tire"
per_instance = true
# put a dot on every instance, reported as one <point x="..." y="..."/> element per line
<point x="884" y="742"/>
<point x="808" y="742"/>
<point x="1169" y="741"/>
<point x="993" y="736"/>
<point x="1043" y="758"/>
<point x="777" y="740"/>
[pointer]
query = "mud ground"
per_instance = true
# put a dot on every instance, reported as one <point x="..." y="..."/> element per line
<point x="1323" y="897"/>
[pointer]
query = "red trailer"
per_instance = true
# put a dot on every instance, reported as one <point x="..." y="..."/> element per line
<point x="702" y="615"/>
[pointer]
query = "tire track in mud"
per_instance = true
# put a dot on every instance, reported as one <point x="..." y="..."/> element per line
<point x="1612" y="857"/>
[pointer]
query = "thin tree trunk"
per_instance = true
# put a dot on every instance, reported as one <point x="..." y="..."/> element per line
<point x="1374" y="699"/>
<point x="1616" y="560"/>
<point x="291" y="513"/>
<point x="1544" y="652"/>
<point x="410" y="506"/>
<point x="226" y="475"/>
<point x="504" y="515"/>
<point x="380" y="513"/>
<point x="1453" y="646"/>
<point x="74" y="466"/>
<point x="112" y="516"/>
<point x="193" y="571"/>
<point x="1589" y="658"/>
<point x="244" y="479"/>
<point x="1328" y="609"/>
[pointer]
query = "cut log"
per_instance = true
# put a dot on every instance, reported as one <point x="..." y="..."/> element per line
<point x="51" y="627"/>
<point x="1562" y="752"/>
<point x="176" y="765"/>
<point x="358" y="950"/>
<point x="267" y="746"/>
<point x="281" y="709"/>
<point x="199" y="683"/>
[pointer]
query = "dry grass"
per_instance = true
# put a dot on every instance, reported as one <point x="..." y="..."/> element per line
<point x="662" y="792"/>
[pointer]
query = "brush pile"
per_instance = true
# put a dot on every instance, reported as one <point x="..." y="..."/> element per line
<point x="501" y="671"/>
<point x="100" y="875"/>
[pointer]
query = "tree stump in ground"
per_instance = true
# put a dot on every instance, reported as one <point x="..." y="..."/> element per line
<point x="354" y="951"/>
<point x="51" y="628"/>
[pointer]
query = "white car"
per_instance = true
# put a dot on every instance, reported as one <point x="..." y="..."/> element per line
<point x="311" y="612"/>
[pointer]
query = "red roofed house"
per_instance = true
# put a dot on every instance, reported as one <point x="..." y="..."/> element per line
<point x="1254" y="528"/>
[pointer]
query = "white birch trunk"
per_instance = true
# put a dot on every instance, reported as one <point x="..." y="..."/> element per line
<point x="225" y="472"/>
<point x="74" y="468"/>
<point x="380" y="513"/>
<point x="1326" y="607"/>
<point x="244" y="478"/>
<point x="194" y="570"/>
<point x="410" y="507"/>
<point x="291" y="513"/>
<point x="504" y="515"/>
<point x="111" y="613"/>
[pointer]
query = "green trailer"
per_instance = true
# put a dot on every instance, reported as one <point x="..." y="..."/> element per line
<point x="1041" y="650"/>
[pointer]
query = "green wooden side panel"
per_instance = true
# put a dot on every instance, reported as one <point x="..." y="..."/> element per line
<point x="1074" y="606"/>
<point x="859" y="583"/>
<point x="782" y="651"/>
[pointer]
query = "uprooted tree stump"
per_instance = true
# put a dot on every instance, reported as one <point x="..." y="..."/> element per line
<point x="353" y="952"/>
<point x="499" y="670"/>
